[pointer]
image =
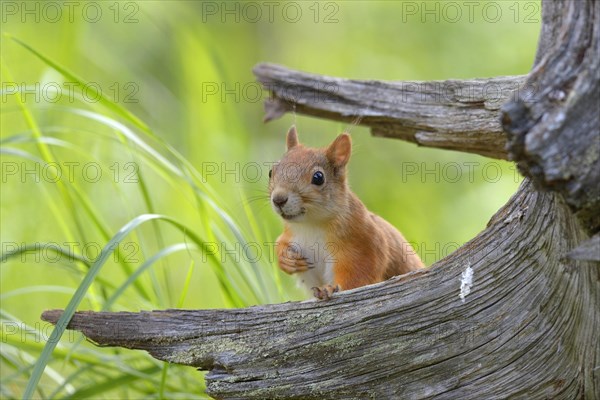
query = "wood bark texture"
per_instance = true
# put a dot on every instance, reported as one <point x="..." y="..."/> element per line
<point x="553" y="135"/>
<point x="528" y="328"/>
<point x="527" y="323"/>
<point x="453" y="114"/>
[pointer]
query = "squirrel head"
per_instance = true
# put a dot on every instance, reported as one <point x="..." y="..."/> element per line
<point x="309" y="184"/>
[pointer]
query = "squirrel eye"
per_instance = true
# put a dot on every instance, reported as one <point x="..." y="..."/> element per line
<point x="318" y="178"/>
<point x="270" y="173"/>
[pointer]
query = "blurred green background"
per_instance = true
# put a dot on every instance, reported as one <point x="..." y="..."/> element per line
<point x="76" y="167"/>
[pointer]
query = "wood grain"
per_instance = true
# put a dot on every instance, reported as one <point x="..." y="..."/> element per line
<point x="519" y="332"/>
<point x="459" y="115"/>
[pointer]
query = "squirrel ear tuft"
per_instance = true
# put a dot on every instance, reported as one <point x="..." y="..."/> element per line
<point x="292" y="138"/>
<point x="339" y="151"/>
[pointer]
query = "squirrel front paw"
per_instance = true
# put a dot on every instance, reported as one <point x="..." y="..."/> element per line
<point x="291" y="261"/>
<point x="325" y="292"/>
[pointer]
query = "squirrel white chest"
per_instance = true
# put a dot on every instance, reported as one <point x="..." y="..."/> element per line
<point x="312" y="244"/>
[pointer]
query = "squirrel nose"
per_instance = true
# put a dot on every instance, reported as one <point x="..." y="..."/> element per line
<point x="280" y="200"/>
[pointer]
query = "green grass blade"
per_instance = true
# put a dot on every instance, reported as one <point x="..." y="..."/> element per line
<point x="20" y="153"/>
<point x="63" y="321"/>
<point x="186" y="285"/>
<point x="94" y="390"/>
<point x="163" y="381"/>
<point x="44" y="246"/>
<point x="49" y="158"/>
<point x="103" y="99"/>
<point x="87" y="282"/>
<point x="161" y="254"/>
<point x="159" y="237"/>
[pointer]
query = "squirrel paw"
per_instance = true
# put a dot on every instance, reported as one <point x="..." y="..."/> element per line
<point x="325" y="292"/>
<point x="293" y="262"/>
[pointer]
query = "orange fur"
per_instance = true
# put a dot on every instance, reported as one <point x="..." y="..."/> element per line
<point x="352" y="246"/>
<point x="371" y="250"/>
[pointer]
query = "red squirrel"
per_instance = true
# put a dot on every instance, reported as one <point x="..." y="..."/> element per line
<point x="330" y="239"/>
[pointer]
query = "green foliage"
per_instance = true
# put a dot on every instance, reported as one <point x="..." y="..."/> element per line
<point x="134" y="163"/>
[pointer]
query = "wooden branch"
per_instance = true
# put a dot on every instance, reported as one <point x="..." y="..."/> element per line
<point x="455" y="114"/>
<point x="411" y="337"/>
<point x="555" y="139"/>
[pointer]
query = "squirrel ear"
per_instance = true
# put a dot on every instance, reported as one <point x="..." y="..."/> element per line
<point x="339" y="151"/>
<point x="292" y="138"/>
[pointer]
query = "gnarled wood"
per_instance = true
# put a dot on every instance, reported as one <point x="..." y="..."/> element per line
<point x="555" y="138"/>
<point x="529" y="326"/>
<point x="455" y="114"/>
<point x="520" y="332"/>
